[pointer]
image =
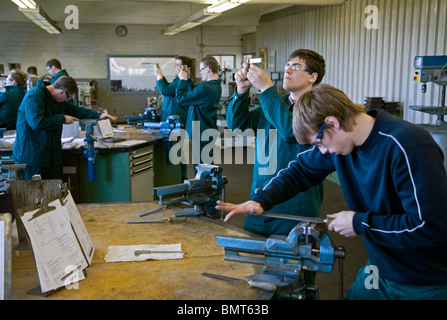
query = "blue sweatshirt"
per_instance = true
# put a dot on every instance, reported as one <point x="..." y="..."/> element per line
<point x="397" y="185"/>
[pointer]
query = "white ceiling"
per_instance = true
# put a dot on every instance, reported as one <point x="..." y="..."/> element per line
<point x="151" y="12"/>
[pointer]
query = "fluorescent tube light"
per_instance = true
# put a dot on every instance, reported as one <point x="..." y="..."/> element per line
<point x="224" y="5"/>
<point x="39" y="17"/>
<point x="25" y="4"/>
<point x="190" y="22"/>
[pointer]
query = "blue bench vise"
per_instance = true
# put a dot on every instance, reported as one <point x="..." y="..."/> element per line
<point x="201" y="192"/>
<point x="308" y="246"/>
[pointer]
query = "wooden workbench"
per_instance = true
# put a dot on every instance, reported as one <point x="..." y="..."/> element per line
<point x="147" y="280"/>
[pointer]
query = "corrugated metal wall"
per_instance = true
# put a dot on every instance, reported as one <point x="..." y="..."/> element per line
<point x="367" y="62"/>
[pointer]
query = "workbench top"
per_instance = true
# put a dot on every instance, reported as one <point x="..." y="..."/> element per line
<point x="146" y="280"/>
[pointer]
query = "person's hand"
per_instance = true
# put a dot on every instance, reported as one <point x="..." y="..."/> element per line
<point x="259" y="78"/>
<point x="69" y="119"/>
<point x="342" y="223"/>
<point x="243" y="84"/>
<point x="183" y="72"/>
<point x="157" y="72"/>
<point x="108" y="116"/>
<point x="250" y="207"/>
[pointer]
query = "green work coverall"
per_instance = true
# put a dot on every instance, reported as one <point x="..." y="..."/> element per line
<point x="170" y="105"/>
<point x="58" y="75"/>
<point x="272" y="117"/>
<point x="203" y="103"/>
<point x="39" y="128"/>
<point x="10" y="101"/>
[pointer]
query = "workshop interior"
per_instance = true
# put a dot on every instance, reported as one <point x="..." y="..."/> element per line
<point x="125" y="220"/>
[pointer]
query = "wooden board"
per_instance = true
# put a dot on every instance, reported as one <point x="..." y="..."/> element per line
<point x="147" y="280"/>
<point x="25" y="193"/>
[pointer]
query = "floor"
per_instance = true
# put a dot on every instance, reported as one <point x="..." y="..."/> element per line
<point x="237" y="191"/>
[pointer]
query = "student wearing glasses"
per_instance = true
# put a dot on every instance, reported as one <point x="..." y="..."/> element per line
<point x="304" y="69"/>
<point x="43" y="111"/>
<point x="203" y="102"/>
<point x="54" y="68"/>
<point x="395" y="185"/>
<point x="12" y="97"/>
<point x="170" y="105"/>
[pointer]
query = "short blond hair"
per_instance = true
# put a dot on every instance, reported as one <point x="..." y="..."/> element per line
<point x="312" y="108"/>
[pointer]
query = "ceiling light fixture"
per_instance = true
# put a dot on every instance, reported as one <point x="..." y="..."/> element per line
<point x="224" y="5"/>
<point x="25" y="4"/>
<point x="39" y="17"/>
<point x="190" y="22"/>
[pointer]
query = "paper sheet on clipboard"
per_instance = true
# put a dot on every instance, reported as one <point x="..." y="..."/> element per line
<point x="54" y="236"/>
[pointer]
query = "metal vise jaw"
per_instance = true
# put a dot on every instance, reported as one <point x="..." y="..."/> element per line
<point x="307" y="247"/>
<point x="201" y="192"/>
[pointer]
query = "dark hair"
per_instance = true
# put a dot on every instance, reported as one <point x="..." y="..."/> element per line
<point x="313" y="60"/>
<point x="32" y="70"/>
<point x="212" y="63"/>
<point x="54" y="62"/>
<point x="186" y="61"/>
<point x="66" y="83"/>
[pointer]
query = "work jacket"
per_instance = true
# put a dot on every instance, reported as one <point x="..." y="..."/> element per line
<point x="276" y="147"/>
<point x="58" y="75"/>
<point x="39" y="127"/>
<point x="170" y="105"/>
<point x="9" y="105"/>
<point x="203" y="103"/>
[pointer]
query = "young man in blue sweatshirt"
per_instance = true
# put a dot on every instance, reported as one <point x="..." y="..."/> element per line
<point x="394" y="182"/>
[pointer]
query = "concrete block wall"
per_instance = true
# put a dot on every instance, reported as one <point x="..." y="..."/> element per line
<point x="83" y="52"/>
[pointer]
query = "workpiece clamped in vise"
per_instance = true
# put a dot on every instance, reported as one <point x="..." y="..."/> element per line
<point x="201" y="192"/>
<point x="308" y="247"/>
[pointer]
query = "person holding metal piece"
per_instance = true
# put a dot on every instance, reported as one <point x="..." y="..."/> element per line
<point x="43" y="111"/>
<point x="11" y="99"/>
<point x="304" y="69"/>
<point x="170" y="105"/>
<point x="394" y="182"/>
<point x="203" y="101"/>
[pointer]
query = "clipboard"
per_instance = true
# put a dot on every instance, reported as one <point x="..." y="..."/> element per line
<point x="61" y="246"/>
<point x="5" y="256"/>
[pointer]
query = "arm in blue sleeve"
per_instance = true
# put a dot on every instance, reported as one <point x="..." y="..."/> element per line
<point x="309" y="169"/>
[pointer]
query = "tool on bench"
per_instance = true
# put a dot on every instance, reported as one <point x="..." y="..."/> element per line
<point x="308" y="246"/>
<point x="172" y="123"/>
<point x="297" y="218"/>
<point x="138" y="252"/>
<point x="153" y="210"/>
<point x="201" y="192"/>
<point x="267" y="286"/>
<point x="171" y="219"/>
